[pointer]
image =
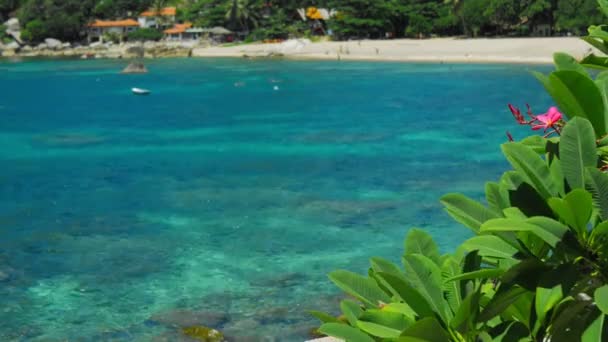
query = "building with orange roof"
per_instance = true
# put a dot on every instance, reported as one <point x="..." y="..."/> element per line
<point x="99" y="28"/>
<point x="153" y="19"/>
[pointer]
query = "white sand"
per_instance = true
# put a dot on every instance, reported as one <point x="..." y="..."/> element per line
<point x="498" y="50"/>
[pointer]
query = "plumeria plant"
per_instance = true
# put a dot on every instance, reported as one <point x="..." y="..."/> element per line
<point x="536" y="268"/>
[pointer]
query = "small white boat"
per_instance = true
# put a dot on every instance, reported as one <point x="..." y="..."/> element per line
<point x="140" y="91"/>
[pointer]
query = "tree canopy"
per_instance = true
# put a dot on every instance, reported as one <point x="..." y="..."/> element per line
<point x="66" y="19"/>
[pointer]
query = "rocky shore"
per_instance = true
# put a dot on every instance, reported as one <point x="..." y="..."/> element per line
<point x="55" y="48"/>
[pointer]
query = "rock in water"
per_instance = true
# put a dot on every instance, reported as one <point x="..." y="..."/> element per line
<point x="135" y="68"/>
<point x="187" y="318"/>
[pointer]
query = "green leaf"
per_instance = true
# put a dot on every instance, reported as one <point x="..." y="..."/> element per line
<point x="386" y="318"/>
<point x="407" y="293"/>
<point x="383" y="265"/>
<point x="425" y="276"/>
<point x="593" y="333"/>
<point x="596" y="44"/>
<point x="449" y="269"/>
<point x="575" y="210"/>
<point x="323" y="317"/>
<point x="536" y="143"/>
<point x="378" y="330"/>
<point x="534" y="170"/>
<point x="546" y="299"/>
<point x="466" y="211"/>
<point x="488" y="273"/>
<point x="595" y="62"/>
<point x="351" y="310"/>
<point x="466" y="315"/>
<point x="489" y="246"/>
<point x="497" y="197"/>
<point x="597" y="184"/>
<point x="500" y="302"/>
<point x="510" y="225"/>
<point x="420" y="242"/>
<point x="577" y="95"/>
<point x="344" y="332"/>
<point x="577" y="151"/>
<point x="362" y="288"/>
<point x="564" y="61"/>
<point x="603" y="6"/>
<point x="427" y="329"/>
<point x="601" y="298"/>
<point x="402" y="308"/>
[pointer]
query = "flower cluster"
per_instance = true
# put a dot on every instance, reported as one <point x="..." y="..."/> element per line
<point x="551" y="121"/>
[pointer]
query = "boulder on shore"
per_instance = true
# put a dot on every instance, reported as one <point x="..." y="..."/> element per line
<point x="53" y="43"/>
<point x="135" y="68"/>
<point x="12" y="25"/>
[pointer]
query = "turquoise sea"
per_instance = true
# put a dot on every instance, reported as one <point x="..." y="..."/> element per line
<point x="220" y="201"/>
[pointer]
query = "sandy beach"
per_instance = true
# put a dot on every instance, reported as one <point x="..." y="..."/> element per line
<point x="497" y="50"/>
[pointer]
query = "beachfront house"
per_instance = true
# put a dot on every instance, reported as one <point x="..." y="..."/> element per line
<point x="185" y="32"/>
<point x="316" y="18"/>
<point x="100" y="29"/>
<point x="154" y="19"/>
<point x="179" y="32"/>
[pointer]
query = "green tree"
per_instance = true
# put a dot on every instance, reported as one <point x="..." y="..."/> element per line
<point x="242" y="15"/>
<point x="457" y="7"/>
<point x="575" y="15"/>
<point x="207" y="13"/>
<point x="6" y="7"/>
<point x="111" y="9"/>
<point x="61" y="19"/>
<point x="360" y="18"/>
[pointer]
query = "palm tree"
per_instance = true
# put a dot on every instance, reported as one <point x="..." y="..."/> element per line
<point x="458" y="10"/>
<point x="242" y="12"/>
<point x="157" y="9"/>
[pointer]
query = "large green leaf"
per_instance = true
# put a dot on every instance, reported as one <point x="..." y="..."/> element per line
<point x="500" y="302"/>
<point x="467" y="211"/>
<point x="597" y="184"/>
<point x="593" y="333"/>
<point x="577" y="151"/>
<point x="351" y="310"/>
<point x="449" y="269"/>
<point x="486" y="273"/>
<point x="344" y="332"/>
<point x="577" y="95"/>
<point x="466" y="315"/>
<point x="534" y="170"/>
<point x="420" y="242"/>
<point x="497" y="197"/>
<point x="428" y="329"/>
<point x="383" y="265"/>
<point x="601" y="298"/>
<point x="489" y="246"/>
<point x="378" y="330"/>
<point x="425" y="276"/>
<point x="596" y="44"/>
<point x="402" y="308"/>
<point x="575" y="210"/>
<point x="407" y="293"/>
<point x="564" y="61"/>
<point x="362" y="288"/>
<point x="511" y="225"/>
<point x="323" y="317"/>
<point x="393" y="320"/>
<point x="595" y="62"/>
<point x="545" y="300"/>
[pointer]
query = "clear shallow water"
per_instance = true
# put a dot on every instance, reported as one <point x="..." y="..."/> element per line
<point x="124" y="216"/>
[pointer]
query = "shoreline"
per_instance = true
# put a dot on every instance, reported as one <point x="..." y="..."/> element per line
<point x="437" y="50"/>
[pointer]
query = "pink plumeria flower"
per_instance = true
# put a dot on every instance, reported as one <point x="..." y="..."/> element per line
<point x="548" y="120"/>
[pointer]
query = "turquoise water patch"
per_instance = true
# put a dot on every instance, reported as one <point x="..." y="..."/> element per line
<point x="220" y="201"/>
